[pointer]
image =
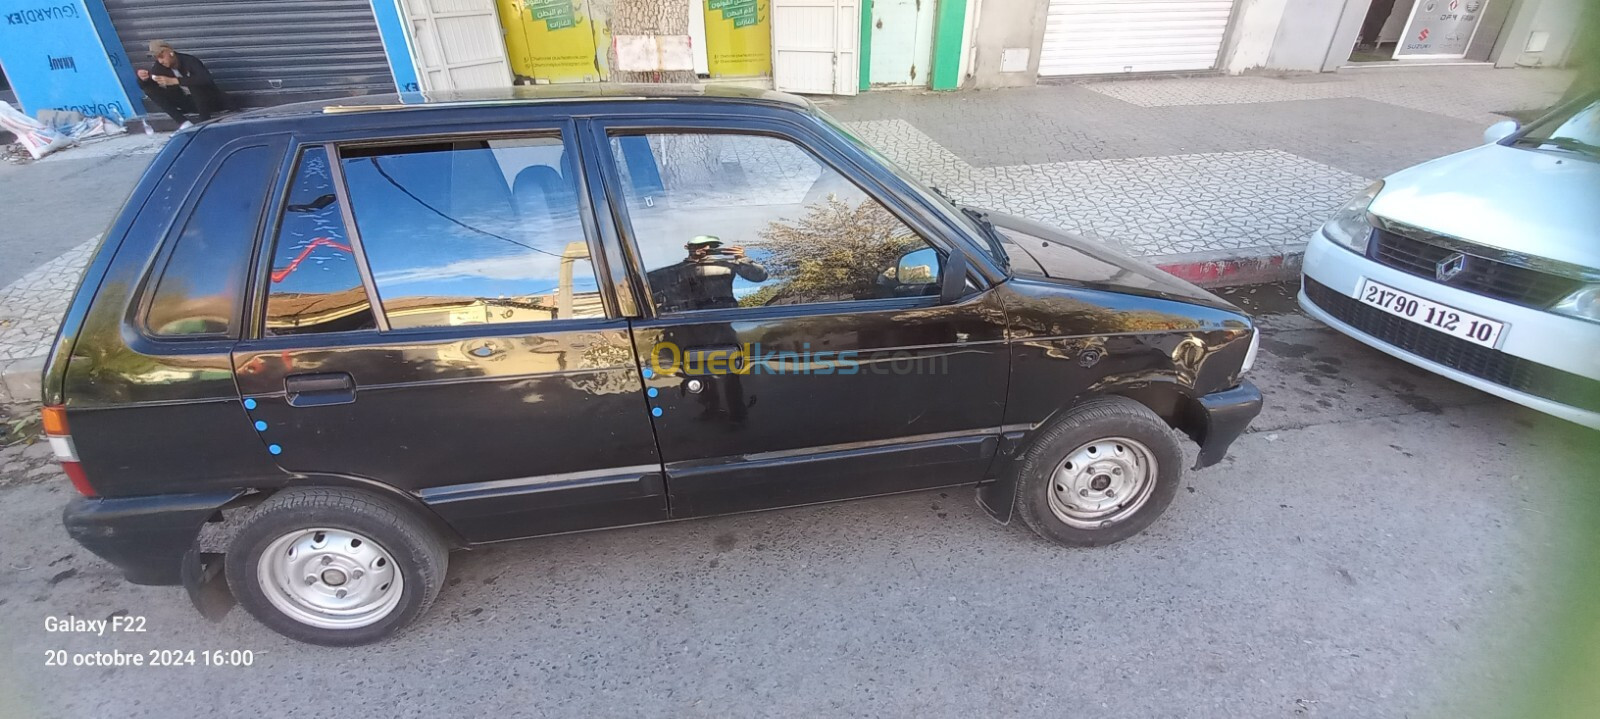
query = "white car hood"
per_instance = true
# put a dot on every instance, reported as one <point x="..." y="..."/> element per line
<point x="1545" y="204"/>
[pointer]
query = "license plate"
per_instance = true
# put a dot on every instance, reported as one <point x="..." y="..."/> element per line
<point x="1449" y="320"/>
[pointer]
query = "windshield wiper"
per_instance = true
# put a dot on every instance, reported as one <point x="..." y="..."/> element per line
<point x="981" y="219"/>
<point x="1564" y="143"/>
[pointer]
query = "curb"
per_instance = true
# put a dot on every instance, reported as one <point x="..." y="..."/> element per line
<point x="1227" y="268"/>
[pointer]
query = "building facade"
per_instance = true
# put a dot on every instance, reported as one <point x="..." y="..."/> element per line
<point x="81" y="54"/>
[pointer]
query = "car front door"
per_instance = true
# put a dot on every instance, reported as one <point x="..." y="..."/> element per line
<point x="795" y="343"/>
<point x="430" y="319"/>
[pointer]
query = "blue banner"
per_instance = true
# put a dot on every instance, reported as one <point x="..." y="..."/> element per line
<point x="66" y="56"/>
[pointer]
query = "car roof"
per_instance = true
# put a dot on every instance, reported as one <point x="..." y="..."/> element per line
<point x="530" y="95"/>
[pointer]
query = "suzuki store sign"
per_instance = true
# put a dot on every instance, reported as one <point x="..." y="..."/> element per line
<point x="1440" y="29"/>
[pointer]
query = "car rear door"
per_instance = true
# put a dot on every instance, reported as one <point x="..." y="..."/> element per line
<point x="427" y="316"/>
<point x="812" y="358"/>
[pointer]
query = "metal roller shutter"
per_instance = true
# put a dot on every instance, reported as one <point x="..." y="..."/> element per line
<point x="1093" y="37"/>
<point x="264" y="52"/>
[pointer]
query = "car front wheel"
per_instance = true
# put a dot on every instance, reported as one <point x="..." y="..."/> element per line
<point x="1100" y="473"/>
<point x="334" y="566"/>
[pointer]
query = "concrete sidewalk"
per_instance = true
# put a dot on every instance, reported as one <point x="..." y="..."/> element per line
<point x="1215" y="179"/>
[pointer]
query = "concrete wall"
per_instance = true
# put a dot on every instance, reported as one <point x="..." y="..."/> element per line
<point x="1006" y="24"/>
<point x="1559" y="18"/>
<point x="1305" y="33"/>
<point x="1255" y="28"/>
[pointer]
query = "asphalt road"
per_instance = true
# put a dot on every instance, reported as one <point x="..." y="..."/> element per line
<point x="1380" y="545"/>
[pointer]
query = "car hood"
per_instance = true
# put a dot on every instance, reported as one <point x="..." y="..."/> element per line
<point x="1526" y="201"/>
<point x="1039" y="250"/>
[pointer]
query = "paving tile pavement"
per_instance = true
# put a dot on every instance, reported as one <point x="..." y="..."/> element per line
<point x="1437" y="90"/>
<point x="31" y="308"/>
<point x="1145" y="206"/>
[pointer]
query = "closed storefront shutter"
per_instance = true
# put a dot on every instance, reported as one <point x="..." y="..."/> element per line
<point x="264" y="52"/>
<point x="1095" y="37"/>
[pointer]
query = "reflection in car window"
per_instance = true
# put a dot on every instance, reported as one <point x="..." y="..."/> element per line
<point x="199" y="290"/>
<point x="314" y="285"/>
<point x="729" y="220"/>
<point x="473" y="232"/>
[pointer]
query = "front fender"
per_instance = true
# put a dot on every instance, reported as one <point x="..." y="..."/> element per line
<point x="1213" y="421"/>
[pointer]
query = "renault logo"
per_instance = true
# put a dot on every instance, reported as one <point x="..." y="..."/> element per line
<point x="1449" y="267"/>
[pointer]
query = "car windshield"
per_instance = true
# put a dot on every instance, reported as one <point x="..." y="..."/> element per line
<point x="1575" y="129"/>
<point x="973" y="221"/>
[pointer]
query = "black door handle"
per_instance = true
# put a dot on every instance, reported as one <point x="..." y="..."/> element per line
<point x="314" y="390"/>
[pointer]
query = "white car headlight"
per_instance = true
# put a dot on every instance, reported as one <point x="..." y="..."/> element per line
<point x="1583" y="304"/>
<point x="1250" y="354"/>
<point x="1349" y="226"/>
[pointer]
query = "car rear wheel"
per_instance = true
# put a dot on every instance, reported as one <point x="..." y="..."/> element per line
<point x="1099" y="474"/>
<point x="335" y="566"/>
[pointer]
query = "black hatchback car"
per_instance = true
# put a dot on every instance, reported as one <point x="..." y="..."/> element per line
<point x="360" y="336"/>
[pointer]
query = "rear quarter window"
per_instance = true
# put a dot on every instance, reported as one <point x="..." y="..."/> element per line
<point x="201" y="284"/>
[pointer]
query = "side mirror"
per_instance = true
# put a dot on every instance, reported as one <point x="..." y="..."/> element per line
<point x="953" y="282"/>
<point x="1500" y="131"/>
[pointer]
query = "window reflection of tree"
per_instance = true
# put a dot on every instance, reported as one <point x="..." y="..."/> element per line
<point x="836" y="252"/>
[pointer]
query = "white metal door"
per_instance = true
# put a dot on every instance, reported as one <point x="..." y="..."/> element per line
<point x="458" y="44"/>
<point x="902" y="41"/>
<point x="814" y="46"/>
<point x="1094" y="37"/>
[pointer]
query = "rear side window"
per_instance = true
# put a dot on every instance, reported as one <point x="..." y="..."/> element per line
<point x="314" y="285"/>
<point x="473" y="232"/>
<point x="199" y="290"/>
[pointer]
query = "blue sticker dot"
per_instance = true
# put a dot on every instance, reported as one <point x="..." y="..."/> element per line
<point x="249" y="404"/>
<point x="275" y="449"/>
<point x="652" y="392"/>
<point x="261" y="426"/>
<point x="648" y="373"/>
<point x="655" y="412"/>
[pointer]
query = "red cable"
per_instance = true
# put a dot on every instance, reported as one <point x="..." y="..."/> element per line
<point x="279" y="275"/>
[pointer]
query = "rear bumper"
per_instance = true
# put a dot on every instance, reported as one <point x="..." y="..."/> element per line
<point x="145" y="537"/>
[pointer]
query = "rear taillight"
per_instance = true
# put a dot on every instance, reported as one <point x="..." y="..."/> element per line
<point x="55" y="430"/>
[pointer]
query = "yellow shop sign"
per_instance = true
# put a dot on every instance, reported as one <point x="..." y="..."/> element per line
<point x="738" y="37"/>
<point x="549" y="40"/>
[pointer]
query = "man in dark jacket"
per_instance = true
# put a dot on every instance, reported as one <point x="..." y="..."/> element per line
<point x="179" y="82"/>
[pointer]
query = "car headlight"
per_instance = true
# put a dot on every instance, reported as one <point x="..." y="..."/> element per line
<point x="1349" y="226"/>
<point x="1250" y="354"/>
<point x="1583" y="304"/>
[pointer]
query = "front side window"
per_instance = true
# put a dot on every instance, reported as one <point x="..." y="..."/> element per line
<point x="726" y="220"/>
<point x="473" y="232"/>
<point x="314" y="285"/>
<point x="199" y="290"/>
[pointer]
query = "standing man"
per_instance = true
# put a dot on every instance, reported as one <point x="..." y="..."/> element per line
<point x="704" y="279"/>
<point x="178" y="82"/>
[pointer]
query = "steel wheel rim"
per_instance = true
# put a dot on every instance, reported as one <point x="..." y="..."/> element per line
<point x="330" y="578"/>
<point x="1102" y="482"/>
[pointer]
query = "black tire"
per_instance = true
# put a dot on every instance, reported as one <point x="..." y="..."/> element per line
<point x="1097" y="419"/>
<point x="420" y="555"/>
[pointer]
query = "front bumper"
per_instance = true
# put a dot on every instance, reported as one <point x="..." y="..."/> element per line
<point x="145" y="537"/>
<point x="1538" y="363"/>
<point x="1221" y="418"/>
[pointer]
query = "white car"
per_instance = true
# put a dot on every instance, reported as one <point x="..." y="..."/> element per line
<point x="1480" y="266"/>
